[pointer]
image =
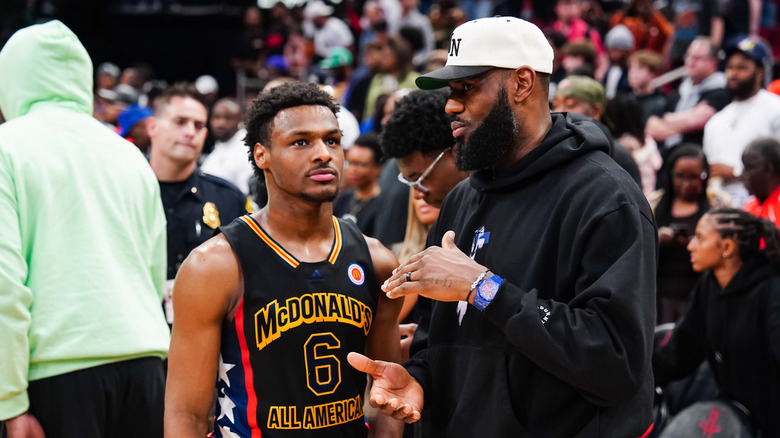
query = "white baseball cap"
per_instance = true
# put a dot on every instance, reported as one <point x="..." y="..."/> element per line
<point x="316" y="9"/>
<point x="485" y="43"/>
<point x="206" y="84"/>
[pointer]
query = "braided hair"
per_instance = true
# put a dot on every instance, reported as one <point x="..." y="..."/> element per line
<point x="747" y="231"/>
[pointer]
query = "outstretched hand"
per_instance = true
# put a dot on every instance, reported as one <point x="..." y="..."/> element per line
<point x="441" y="273"/>
<point x="394" y="392"/>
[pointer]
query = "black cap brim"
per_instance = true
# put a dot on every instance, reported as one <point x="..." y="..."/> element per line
<point x="440" y="78"/>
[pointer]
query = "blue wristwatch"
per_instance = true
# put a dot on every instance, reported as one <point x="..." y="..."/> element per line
<point x="486" y="291"/>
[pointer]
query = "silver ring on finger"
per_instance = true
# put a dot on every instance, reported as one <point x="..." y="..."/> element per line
<point x="408" y="276"/>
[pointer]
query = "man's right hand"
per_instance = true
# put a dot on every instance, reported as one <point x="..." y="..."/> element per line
<point x="24" y="426"/>
<point x="394" y="392"/>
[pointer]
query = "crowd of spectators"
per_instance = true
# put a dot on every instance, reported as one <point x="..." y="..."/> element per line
<point x="668" y="56"/>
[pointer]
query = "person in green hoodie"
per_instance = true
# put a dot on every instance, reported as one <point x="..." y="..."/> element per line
<point x="82" y="254"/>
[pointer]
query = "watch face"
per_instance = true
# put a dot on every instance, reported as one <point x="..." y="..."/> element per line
<point x="488" y="289"/>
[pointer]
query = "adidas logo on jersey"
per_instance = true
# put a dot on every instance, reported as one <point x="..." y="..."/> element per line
<point x="316" y="277"/>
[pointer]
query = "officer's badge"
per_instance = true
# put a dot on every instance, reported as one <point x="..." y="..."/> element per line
<point x="211" y="215"/>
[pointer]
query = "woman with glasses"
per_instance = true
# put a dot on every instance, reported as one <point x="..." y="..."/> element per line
<point x="679" y="204"/>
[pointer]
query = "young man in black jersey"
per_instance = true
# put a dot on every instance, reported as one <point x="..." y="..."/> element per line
<point x="271" y="307"/>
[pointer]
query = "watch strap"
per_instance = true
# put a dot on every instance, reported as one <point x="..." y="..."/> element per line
<point x="481" y="301"/>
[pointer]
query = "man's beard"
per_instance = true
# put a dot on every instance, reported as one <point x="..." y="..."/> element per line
<point x="491" y="141"/>
<point x="223" y="134"/>
<point x="224" y="137"/>
<point x="743" y="89"/>
<point x="319" y="198"/>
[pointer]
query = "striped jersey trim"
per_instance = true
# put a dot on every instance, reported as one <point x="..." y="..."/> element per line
<point x="286" y="256"/>
<point x="337" y="242"/>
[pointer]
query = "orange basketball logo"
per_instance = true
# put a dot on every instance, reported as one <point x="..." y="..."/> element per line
<point x="356" y="274"/>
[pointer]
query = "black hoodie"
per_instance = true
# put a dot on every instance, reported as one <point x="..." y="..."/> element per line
<point x="737" y="330"/>
<point x="564" y="348"/>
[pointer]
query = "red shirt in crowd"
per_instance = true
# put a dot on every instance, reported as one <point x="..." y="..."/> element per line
<point x="769" y="209"/>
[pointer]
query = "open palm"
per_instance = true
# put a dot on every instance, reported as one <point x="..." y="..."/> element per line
<point x="395" y="393"/>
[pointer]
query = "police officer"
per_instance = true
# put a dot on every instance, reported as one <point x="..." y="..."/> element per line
<point x="195" y="203"/>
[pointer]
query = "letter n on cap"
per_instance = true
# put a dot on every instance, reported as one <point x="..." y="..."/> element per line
<point x="454" y="46"/>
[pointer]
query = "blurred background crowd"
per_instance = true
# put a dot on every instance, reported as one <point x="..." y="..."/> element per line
<point x="651" y="72"/>
<point x="685" y="89"/>
<point x="233" y="40"/>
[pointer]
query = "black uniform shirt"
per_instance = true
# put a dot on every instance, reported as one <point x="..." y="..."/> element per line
<point x="194" y="209"/>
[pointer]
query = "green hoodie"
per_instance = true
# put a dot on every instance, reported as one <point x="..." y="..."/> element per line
<point x="82" y="230"/>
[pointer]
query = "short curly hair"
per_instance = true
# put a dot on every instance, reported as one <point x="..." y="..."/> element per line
<point x="259" y="121"/>
<point x="418" y="123"/>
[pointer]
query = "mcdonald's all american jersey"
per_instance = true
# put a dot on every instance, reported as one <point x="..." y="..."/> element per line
<point x="283" y="368"/>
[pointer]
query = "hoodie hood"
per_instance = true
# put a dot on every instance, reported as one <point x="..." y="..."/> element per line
<point x="570" y="137"/>
<point x="753" y="271"/>
<point x="44" y="63"/>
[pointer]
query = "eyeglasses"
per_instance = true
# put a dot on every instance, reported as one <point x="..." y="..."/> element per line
<point x="417" y="184"/>
<point x="689" y="176"/>
<point x="357" y="164"/>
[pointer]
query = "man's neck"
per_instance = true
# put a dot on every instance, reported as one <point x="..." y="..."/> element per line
<point x="227" y="138"/>
<point x="528" y="141"/>
<point x="169" y="171"/>
<point x="304" y="229"/>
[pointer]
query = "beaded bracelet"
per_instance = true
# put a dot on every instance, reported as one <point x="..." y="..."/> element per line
<point x="476" y="283"/>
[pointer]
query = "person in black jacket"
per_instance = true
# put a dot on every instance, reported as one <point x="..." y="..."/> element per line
<point x="733" y="320"/>
<point x="543" y="288"/>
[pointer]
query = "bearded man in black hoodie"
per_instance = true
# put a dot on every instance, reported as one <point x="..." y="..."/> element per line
<point x="543" y="286"/>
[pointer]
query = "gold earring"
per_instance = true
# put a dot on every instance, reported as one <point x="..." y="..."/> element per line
<point x="724" y="255"/>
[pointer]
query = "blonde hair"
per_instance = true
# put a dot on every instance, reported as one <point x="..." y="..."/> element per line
<point x="649" y="59"/>
<point x="416" y="233"/>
